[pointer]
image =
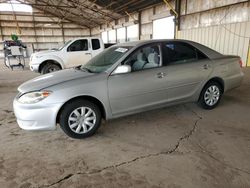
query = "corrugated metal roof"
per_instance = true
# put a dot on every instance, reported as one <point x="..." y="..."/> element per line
<point x="90" y="13"/>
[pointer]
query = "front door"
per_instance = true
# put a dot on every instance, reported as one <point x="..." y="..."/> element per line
<point x="143" y="87"/>
<point x="78" y="53"/>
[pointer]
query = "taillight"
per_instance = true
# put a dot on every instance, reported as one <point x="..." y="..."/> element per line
<point x="241" y="63"/>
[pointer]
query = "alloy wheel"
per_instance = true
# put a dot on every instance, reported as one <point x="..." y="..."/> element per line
<point x="82" y="120"/>
<point x="212" y="95"/>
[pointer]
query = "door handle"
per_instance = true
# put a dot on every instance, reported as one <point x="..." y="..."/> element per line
<point x="87" y="53"/>
<point x="161" y="75"/>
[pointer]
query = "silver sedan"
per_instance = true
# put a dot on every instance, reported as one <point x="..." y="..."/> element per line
<point x="126" y="79"/>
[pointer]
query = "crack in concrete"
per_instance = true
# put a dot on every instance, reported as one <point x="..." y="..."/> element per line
<point x="172" y="150"/>
<point x="203" y="150"/>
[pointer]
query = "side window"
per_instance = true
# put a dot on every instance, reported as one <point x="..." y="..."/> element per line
<point x="95" y="44"/>
<point x="178" y="53"/>
<point x="144" y="58"/>
<point x="78" y="45"/>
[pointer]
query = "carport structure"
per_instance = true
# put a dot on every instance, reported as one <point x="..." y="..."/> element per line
<point x="90" y="13"/>
<point x="51" y="23"/>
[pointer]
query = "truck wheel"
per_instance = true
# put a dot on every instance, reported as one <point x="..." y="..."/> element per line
<point x="80" y="119"/>
<point x="50" y="67"/>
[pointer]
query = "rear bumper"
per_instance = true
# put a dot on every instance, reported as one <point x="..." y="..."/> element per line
<point x="233" y="81"/>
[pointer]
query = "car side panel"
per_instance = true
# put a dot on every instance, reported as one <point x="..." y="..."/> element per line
<point x="95" y="86"/>
<point x="185" y="79"/>
<point x="229" y="70"/>
<point x="137" y="90"/>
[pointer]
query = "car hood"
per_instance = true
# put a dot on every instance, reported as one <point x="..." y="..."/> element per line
<point x="51" y="79"/>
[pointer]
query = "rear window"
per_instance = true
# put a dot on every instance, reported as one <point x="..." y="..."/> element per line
<point x="95" y="44"/>
<point x="178" y="53"/>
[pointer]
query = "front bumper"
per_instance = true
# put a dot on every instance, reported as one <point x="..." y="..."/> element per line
<point x="39" y="116"/>
<point x="34" y="67"/>
<point x="34" y="63"/>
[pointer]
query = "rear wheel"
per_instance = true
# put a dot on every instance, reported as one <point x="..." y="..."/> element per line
<point x="210" y="95"/>
<point x="50" y="67"/>
<point x="80" y="119"/>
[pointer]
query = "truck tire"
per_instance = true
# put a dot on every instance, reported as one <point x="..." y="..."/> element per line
<point x="50" y="67"/>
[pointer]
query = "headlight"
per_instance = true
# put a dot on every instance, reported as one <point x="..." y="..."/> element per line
<point x="33" y="97"/>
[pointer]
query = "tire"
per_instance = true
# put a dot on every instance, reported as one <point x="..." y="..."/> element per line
<point x="210" y="95"/>
<point x="77" y="126"/>
<point x="50" y="67"/>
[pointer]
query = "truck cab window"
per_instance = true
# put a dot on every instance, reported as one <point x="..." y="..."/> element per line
<point x="95" y="44"/>
<point x="79" y="45"/>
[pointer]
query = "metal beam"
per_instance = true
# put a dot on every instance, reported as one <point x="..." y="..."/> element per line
<point x="63" y="34"/>
<point x="42" y="5"/>
<point x="139" y="24"/>
<point x="33" y="19"/>
<point x="30" y="21"/>
<point x="94" y="10"/>
<point x="1" y="30"/>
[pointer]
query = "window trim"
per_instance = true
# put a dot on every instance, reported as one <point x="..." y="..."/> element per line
<point x="185" y="44"/>
<point x="158" y="44"/>
<point x="79" y="50"/>
<point x="91" y="41"/>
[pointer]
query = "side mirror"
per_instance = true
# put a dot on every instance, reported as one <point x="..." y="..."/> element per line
<point x="122" y="69"/>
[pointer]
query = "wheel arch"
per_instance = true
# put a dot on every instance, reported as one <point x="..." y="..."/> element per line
<point x="219" y="80"/>
<point x="48" y="61"/>
<point x="85" y="97"/>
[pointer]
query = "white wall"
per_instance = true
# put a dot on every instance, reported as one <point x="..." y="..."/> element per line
<point x="164" y="28"/>
<point x="227" y="39"/>
<point x="222" y="25"/>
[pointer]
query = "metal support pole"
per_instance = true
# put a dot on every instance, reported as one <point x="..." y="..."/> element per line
<point x="63" y="33"/>
<point x="139" y="25"/>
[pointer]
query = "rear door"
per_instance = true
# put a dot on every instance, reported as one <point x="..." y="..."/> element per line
<point x="143" y="87"/>
<point x="78" y="53"/>
<point x="187" y="68"/>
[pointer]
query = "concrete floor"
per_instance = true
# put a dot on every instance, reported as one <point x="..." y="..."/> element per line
<point x="176" y="147"/>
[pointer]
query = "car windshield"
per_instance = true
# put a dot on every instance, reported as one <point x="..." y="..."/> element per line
<point x="103" y="61"/>
<point x="60" y="48"/>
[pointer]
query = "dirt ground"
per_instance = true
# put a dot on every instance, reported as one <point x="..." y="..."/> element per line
<point x="176" y="147"/>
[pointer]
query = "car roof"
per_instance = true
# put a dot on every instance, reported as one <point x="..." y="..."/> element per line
<point x="212" y="54"/>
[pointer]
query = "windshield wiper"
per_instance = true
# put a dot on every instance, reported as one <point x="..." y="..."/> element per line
<point x="86" y="69"/>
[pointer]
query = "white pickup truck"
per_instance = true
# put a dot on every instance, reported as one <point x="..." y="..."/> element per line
<point x="72" y="53"/>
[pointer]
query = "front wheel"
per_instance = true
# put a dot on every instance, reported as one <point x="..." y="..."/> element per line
<point x="50" y="67"/>
<point x="210" y="95"/>
<point x="80" y="119"/>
